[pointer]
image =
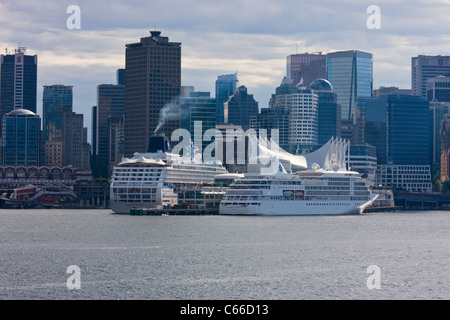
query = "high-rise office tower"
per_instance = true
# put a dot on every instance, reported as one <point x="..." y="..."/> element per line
<point x="294" y="112"/>
<point x="18" y="81"/>
<point x="55" y="96"/>
<point x="398" y="126"/>
<point x="240" y="107"/>
<point x="438" y="89"/>
<point x="21" y="138"/>
<point x="226" y="86"/>
<point x="371" y="124"/>
<point x="363" y="159"/>
<point x="120" y="76"/>
<point x="116" y="126"/>
<point x="306" y="67"/>
<point x="351" y="74"/>
<point x="390" y="90"/>
<point x="152" y="81"/>
<point x="329" y="111"/>
<point x="198" y="108"/>
<point x="67" y="139"/>
<point x="437" y="112"/>
<point x="275" y="117"/>
<point x="445" y="149"/>
<point x="303" y="118"/>
<point x="94" y="128"/>
<point x="426" y="67"/>
<point x="438" y="94"/>
<point x="110" y="113"/>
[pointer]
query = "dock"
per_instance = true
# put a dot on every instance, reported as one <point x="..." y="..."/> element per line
<point x="172" y="212"/>
<point x="383" y="209"/>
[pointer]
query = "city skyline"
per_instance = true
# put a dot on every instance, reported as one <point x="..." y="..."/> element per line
<point x="218" y="39"/>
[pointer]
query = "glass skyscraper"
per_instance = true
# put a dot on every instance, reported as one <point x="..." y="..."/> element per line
<point x="351" y="74"/>
<point x="226" y="86"/>
<point x="438" y="94"/>
<point x="201" y="108"/>
<point x="329" y="111"/>
<point x="110" y="111"/>
<point x="398" y="126"/>
<point x="437" y="112"/>
<point x="55" y="96"/>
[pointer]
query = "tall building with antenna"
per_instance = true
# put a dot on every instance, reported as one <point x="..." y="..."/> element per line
<point x="306" y="67"/>
<point x="152" y="81"/>
<point x="18" y="80"/>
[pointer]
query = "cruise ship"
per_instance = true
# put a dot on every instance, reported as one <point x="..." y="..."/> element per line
<point x="153" y="180"/>
<point x="304" y="190"/>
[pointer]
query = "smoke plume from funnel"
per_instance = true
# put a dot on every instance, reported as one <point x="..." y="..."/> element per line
<point x="171" y="111"/>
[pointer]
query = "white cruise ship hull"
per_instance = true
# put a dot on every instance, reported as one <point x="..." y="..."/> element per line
<point x="297" y="208"/>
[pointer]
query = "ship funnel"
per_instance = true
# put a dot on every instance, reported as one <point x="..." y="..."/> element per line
<point x="158" y="144"/>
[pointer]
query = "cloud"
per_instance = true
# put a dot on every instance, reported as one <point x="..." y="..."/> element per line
<point x="219" y="37"/>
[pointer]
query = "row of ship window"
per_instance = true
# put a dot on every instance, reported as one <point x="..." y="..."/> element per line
<point x="118" y="175"/>
<point x="328" y="188"/>
<point x="327" y="204"/>
<point x="134" y="191"/>
<point x="297" y="198"/>
<point x="137" y="197"/>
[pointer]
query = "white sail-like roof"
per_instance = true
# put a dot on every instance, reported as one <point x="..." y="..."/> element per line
<point x="331" y="156"/>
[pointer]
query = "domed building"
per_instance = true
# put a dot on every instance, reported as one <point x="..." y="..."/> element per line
<point x="22" y="113"/>
<point x="321" y="85"/>
<point x="21" y="138"/>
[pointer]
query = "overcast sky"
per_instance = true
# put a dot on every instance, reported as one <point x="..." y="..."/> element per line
<point x="252" y="37"/>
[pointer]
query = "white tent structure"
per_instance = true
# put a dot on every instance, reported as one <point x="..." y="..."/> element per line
<point x="334" y="155"/>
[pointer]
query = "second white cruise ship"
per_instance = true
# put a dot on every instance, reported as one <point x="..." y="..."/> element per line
<point x="309" y="191"/>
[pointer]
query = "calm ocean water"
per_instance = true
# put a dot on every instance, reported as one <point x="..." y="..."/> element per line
<point x="223" y="257"/>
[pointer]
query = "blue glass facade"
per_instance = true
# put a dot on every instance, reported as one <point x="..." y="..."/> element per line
<point x="21" y="138"/>
<point x="409" y="130"/>
<point x="110" y="109"/>
<point x="351" y="74"/>
<point x="225" y="87"/>
<point x="55" y="96"/>
<point x="199" y="107"/>
<point x="329" y="111"/>
<point x="438" y="89"/>
<point x="371" y="124"/>
<point x="398" y="126"/>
